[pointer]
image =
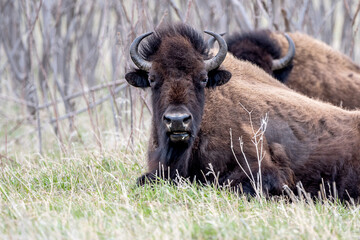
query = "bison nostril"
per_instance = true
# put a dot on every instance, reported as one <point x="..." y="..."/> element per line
<point x="177" y="121"/>
<point x="167" y="120"/>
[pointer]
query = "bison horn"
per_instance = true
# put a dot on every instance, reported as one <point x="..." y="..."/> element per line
<point x="135" y="56"/>
<point x="211" y="41"/>
<point x="283" y="62"/>
<point x="215" y="62"/>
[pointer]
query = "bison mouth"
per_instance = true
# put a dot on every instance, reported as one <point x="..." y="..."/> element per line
<point x="179" y="137"/>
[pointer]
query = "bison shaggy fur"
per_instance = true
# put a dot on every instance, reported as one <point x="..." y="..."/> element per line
<point x="317" y="70"/>
<point x="305" y="140"/>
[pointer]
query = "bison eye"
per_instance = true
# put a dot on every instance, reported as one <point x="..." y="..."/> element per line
<point x="152" y="80"/>
<point x="204" y="81"/>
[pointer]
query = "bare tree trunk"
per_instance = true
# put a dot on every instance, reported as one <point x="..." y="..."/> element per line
<point x="18" y="54"/>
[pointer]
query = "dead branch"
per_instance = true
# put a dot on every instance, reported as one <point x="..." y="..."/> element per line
<point x="176" y="9"/>
<point x="355" y="14"/>
<point x="86" y="91"/>
<point x="91" y="105"/>
<point x="187" y="14"/>
<point x="302" y="14"/>
<point x="241" y="16"/>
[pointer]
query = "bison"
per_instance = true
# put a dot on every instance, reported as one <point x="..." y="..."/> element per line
<point x="196" y="107"/>
<point x="315" y="70"/>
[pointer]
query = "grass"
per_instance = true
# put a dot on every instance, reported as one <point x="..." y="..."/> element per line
<point x="88" y="191"/>
<point x="80" y="190"/>
<point x="89" y="194"/>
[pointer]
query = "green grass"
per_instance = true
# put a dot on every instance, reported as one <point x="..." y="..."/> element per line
<point x="92" y="195"/>
<point x="87" y="191"/>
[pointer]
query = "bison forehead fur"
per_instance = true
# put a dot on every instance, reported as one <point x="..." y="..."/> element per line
<point x="302" y="138"/>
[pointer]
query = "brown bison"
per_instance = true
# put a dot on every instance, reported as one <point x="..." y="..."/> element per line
<point x="195" y="107"/>
<point x="315" y="70"/>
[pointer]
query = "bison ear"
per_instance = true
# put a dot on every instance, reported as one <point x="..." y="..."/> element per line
<point x="138" y="78"/>
<point x="218" y="77"/>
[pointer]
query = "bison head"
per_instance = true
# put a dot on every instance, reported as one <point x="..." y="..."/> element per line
<point x="259" y="48"/>
<point x="175" y="64"/>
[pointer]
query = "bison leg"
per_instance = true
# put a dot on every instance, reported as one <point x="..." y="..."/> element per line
<point x="275" y="173"/>
<point x="156" y="171"/>
<point x="153" y="176"/>
<point x="272" y="180"/>
<point x="270" y="185"/>
<point x="146" y="178"/>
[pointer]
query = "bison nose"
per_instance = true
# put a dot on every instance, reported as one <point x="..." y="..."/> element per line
<point x="177" y="122"/>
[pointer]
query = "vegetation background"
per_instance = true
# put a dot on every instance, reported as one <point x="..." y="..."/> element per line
<point x="73" y="134"/>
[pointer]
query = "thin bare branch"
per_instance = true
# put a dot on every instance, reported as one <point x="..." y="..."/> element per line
<point x="242" y="18"/>
<point x="187" y="14"/>
<point x="176" y="9"/>
<point x="90" y="106"/>
<point x="355" y="14"/>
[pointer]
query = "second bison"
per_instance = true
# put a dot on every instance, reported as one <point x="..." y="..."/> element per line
<point x="315" y="69"/>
